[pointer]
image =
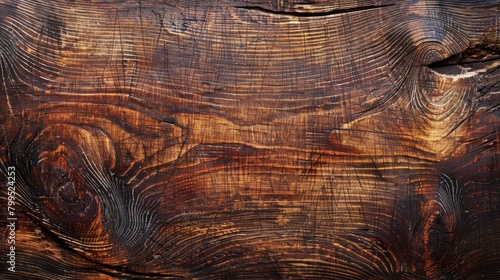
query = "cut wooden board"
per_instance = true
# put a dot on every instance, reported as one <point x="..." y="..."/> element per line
<point x="251" y="139"/>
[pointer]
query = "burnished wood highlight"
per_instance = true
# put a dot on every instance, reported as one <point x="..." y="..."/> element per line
<point x="248" y="139"/>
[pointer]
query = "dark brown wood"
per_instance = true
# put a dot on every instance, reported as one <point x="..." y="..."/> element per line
<point x="248" y="139"/>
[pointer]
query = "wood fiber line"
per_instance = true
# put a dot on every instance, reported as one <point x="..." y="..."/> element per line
<point x="251" y="139"/>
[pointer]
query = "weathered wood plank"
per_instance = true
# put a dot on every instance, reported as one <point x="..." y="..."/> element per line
<point x="252" y="139"/>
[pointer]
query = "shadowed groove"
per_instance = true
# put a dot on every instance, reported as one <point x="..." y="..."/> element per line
<point x="299" y="13"/>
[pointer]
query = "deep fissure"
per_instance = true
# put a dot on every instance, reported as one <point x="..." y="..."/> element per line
<point x="468" y="56"/>
<point x="314" y="14"/>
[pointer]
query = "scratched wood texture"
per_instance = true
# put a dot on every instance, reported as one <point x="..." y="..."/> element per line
<point x="252" y="139"/>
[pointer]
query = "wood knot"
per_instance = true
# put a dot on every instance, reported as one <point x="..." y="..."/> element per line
<point x="62" y="159"/>
<point x="66" y="170"/>
<point x="431" y="52"/>
<point x="444" y="219"/>
<point x="60" y="180"/>
<point x="433" y="30"/>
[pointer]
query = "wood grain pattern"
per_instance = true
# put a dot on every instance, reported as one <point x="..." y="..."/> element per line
<point x="249" y="139"/>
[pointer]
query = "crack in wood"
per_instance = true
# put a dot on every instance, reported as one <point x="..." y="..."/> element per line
<point x="469" y="56"/>
<point x="314" y="14"/>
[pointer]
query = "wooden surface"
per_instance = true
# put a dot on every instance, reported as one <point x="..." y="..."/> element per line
<point x="249" y="139"/>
